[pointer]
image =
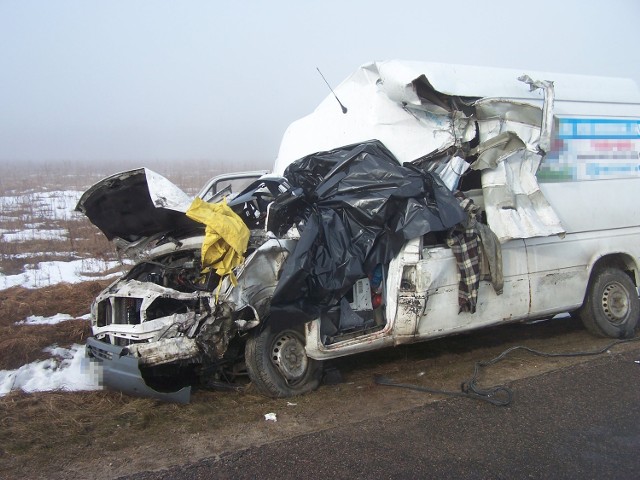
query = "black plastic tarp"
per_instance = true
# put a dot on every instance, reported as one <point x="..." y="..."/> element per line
<point x="355" y="207"/>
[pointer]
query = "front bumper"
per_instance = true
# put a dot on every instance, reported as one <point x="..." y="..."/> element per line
<point x="122" y="372"/>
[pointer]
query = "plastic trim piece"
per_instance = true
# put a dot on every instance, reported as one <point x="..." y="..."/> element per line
<point x="122" y="373"/>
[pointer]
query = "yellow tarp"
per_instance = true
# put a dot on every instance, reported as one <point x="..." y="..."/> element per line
<point x="226" y="237"/>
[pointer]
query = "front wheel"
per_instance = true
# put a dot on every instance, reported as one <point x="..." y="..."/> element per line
<point x="611" y="307"/>
<point x="278" y="365"/>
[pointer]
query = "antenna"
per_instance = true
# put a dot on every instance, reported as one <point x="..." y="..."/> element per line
<point x="344" y="109"/>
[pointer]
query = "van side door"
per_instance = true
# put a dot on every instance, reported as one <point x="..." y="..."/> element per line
<point x="437" y="282"/>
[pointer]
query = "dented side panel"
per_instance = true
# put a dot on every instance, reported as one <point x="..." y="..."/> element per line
<point x="439" y="283"/>
<point x="560" y="268"/>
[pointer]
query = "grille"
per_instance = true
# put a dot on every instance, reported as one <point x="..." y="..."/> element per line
<point x="119" y="310"/>
<point x="97" y="352"/>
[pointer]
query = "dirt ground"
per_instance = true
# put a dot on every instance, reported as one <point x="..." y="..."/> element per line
<point x="106" y="435"/>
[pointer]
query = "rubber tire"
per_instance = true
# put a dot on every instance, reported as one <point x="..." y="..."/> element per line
<point x="593" y="313"/>
<point x="266" y="376"/>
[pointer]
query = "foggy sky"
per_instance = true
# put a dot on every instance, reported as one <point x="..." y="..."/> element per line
<point x="221" y="80"/>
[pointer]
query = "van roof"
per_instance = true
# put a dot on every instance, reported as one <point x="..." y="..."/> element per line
<point x="476" y="81"/>
<point x="383" y="100"/>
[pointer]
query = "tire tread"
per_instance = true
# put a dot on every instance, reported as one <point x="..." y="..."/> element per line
<point x="590" y="314"/>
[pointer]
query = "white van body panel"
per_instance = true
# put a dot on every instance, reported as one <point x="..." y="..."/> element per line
<point x="550" y="161"/>
<point x="595" y="196"/>
<point x="595" y="205"/>
<point x="441" y="315"/>
<point x="378" y="93"/>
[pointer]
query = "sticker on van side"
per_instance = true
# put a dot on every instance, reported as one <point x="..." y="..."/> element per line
<point x="592" y="149"/>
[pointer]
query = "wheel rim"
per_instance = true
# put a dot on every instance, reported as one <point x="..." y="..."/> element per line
<point x="615" y="303"/>
<point x="289" y="356"/>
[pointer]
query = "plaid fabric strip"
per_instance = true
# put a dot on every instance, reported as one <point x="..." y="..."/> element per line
<point x="464" y="246"/>
<point x="463" y="241"/>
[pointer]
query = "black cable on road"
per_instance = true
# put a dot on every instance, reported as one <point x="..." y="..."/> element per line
<point x="499" y="395"/>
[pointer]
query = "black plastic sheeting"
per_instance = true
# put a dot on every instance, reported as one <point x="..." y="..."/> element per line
<point x="355" y="207"/>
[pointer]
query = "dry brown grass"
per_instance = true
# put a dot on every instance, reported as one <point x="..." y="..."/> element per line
<point x="17" y="303"/>
<point x="24" y="344"/>
<point x="51" y="434"/>
<point x="87" y="421"/>
<point x="43" y="433"/>
<point x="21" y="344"/>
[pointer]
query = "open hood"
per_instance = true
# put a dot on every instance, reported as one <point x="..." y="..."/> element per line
<point x="136" y="204"/>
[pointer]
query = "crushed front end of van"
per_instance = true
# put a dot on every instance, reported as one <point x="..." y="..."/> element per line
<point x="169" y="321"/>
<point x="187" y="314"/>
<point x="298" y="267"/>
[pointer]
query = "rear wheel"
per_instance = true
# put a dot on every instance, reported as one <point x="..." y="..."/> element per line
<point x="611" y="307"/>
<point x="278" y="365"/>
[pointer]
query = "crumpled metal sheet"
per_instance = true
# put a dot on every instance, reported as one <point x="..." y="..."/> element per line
<point x="496" y="149"/>
<point x="450" y="167"/>
<point x="257" y="279"/>
<point x="547" y="111"/>
<point x="357" y="206"/>
<point x="515" y="206"/>
<point x="388" y="101"/>
<point x="417" y="108"/>
<point x="497" y="116"/>
<point x="509" y="154"/>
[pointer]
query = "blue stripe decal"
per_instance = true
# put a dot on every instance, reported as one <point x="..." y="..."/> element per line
<point x="597" y="129"/>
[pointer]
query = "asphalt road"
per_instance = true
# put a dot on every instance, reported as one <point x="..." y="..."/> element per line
<point x="580" y="422"/>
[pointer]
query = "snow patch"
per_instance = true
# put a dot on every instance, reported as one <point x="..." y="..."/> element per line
<point x="51" y="273"/>
<point x="69" y="370"/>
<point x="53" y="205"/>
<point x="33" y="234"/>
<point x="57" y="318"/>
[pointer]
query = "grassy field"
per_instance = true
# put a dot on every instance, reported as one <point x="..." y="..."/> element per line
<point x="37" y="224"/>
<point x="35" y="426"/>
<point x="44" y="429"/>
<point x="105" y="434"/>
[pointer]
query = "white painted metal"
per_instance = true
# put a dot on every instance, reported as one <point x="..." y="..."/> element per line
<point x="591" y="217"/>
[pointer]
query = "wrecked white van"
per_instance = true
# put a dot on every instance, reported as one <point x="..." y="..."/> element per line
<point x="440" y="199"/>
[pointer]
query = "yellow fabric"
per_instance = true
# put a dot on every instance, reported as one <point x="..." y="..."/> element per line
<point x="226" y="237"/>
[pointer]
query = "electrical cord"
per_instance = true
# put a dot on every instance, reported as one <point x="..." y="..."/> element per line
<point x="499" y="395"/>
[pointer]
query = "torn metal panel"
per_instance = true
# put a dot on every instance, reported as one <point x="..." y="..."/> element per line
<point x="257" y="279"/>
<point x="452" y="171"/>
<point x="496" y="116"/>
<point x="165" y="350"/>
<point x="388" y="102"/>
<point x="547" y="111"/>
<point x="509" y="156"/>
<point x="384" y="97"/>
<point x="515" y="206"/>
<point x="416" y="109"/>
<point x="496" y="149"/>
